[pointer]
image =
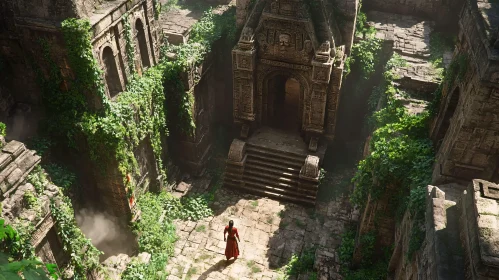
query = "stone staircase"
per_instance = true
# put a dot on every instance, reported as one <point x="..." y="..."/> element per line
<point x="272" y="173"/>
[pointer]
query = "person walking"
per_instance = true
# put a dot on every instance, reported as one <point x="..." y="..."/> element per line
<point x="231" y="248"/>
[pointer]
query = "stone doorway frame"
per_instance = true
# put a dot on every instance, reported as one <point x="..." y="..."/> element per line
<point x="267" y="104"/>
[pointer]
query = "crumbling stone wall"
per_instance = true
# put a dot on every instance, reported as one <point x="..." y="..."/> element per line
<point x="470" y="148"/>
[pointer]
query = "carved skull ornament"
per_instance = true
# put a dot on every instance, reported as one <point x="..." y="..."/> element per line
<point x="284" y="40"/>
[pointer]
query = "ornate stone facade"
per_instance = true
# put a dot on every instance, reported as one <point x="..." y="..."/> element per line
<point x="280" y="39"/>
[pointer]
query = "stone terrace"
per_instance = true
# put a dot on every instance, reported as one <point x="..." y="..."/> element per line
<point x="271" y="232"/>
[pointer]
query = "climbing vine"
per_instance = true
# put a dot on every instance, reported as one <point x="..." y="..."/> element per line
<point x="84" y="256"/>
<point x="129" y="45"/>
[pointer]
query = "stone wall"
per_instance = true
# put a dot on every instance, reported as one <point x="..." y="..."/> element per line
<point x="441" y="11"/>
<point x="470" y="147"/>
<point x="479" y="219"/>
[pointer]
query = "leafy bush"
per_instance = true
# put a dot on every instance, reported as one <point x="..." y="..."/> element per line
<point x="60" y="176"/>
<point x="300" y="264"/>
<point x="15" y="266"/>
<point x="3" y="129"/>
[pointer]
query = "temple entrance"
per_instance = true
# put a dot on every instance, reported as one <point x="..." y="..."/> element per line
<point x="284" y="103"/>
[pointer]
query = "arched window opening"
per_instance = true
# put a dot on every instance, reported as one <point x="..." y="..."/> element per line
<point x="141" y="38"/>
<point x="112" y="76"/>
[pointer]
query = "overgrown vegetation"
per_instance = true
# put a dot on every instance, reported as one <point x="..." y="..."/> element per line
<point x="156" y="230"/>
<point x="15" y="264"/>
<point x="368" y="269"/>
<point x="365" y="53"/>
<point x="83" y="256"/>
<point x="300" y="265"/>
<point x="455" y="71"/>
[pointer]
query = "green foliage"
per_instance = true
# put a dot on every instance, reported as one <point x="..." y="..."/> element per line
<point x="17" y="265"/>
<point x="365" y="55"/>
<point x="40" y="144"/>
<point x="347" y="247"/>
<point x="456" y="70"/>
<point x="136" y="114"/>
<point x="209" y="29"/>
<point x="129" y="43"/>
<point x="30" y="200"/>
<point x="61" y="176"/>
<point x="78" y="36"/>
<point x="300" y="264"/>
<point x="84" y="256"/>
<point x="439" y="44"/>
<point x="156" y="230"/>
<point x="38" y="179"/>
<point x="400" y="149"/>
<point x="3" y="129"/>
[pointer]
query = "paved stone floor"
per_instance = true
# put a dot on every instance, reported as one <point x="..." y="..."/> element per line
<point x="271" y="232"/>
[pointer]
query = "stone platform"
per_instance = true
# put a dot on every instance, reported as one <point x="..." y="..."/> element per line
<point x="286" y="142"/>
<point x="275" y="164"/>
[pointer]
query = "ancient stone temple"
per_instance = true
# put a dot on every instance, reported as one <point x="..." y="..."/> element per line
<point x="287" y="71"/>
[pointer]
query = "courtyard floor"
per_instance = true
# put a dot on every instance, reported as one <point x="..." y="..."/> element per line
<point x="270" y="231"/>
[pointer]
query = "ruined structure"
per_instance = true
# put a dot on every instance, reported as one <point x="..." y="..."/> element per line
<point x="24" y="206"/>
<point x="465" y="129"/>
<point x="287" y="69"/>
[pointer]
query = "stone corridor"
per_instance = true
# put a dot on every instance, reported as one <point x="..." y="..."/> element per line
<point x="270" y="231"/>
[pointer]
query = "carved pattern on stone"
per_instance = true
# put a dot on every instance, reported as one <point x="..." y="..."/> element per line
<point x="237" y="150"/>
<point x="285" y="40"/>
<point x="310" y="168"/>
<point x="42" y="230"/>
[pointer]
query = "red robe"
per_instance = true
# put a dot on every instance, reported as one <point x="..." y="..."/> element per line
<point x="232" y="248"/>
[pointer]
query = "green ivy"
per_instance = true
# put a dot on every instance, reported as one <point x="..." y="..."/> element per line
<point x="129" y="44"/>
<point x="61" y="176"/>
<point x="365" y="54"/>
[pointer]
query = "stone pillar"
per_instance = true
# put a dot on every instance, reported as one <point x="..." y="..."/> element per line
<point x="315" y="104"/>
<point x="334" y="93"/>
<point x="243" y="61"/>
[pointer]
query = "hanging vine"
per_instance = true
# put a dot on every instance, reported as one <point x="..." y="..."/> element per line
<point x="129" y="45"/>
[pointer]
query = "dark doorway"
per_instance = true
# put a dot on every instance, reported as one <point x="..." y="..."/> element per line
<point x="141" y="38"/>
<point x="284" y="103"/>
<point x="447" y="119"/>
<point x="112" y="75"/>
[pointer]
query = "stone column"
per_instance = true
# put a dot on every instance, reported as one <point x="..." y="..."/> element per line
<point x="321" y="76"/>
<point x="243" y="61"/>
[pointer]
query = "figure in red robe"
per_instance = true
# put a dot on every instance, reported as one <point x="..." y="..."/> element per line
<point x="232" y="248"/>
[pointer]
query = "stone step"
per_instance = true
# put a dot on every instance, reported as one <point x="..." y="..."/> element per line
<point x="260" y="192"/>
<point x="280" y="166"/>
<point x="272" y="159"/>
<point x="271" y="177"/>
<point x="268" y="170"/>
<point x="287" y="156"/>
<point x="284" y="189"/>
<point x="290" y="184"/>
